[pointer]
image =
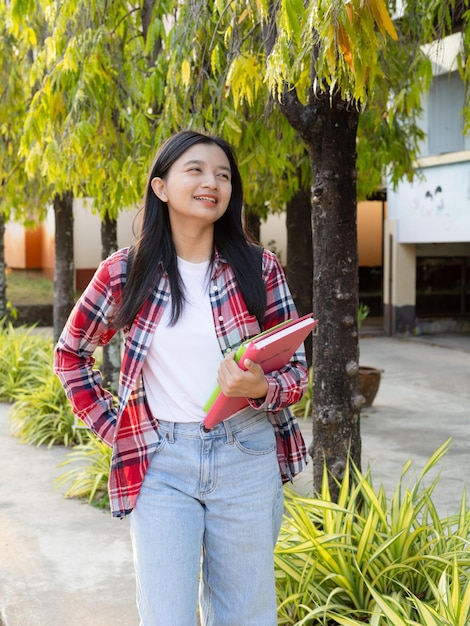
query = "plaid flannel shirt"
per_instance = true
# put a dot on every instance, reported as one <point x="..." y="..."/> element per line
<point x="129" y="428"/>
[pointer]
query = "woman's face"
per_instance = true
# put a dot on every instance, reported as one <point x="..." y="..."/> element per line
<point x="198" y="185"/>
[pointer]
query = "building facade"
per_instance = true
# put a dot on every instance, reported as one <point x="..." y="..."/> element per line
<point x="427" y="228"/>
<point x="414" y="248"/>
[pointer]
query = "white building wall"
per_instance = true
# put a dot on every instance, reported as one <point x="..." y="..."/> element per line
<point x="87" y="233"/>
<point x="273" y="235"/>
<point x="435" y="207"/>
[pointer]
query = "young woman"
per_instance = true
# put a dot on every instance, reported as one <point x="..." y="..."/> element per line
<point x="186" y="295"/>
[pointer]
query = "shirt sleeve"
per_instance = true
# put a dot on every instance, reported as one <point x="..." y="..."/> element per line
<point x="287" y="385"/>
<point x="87" y="328"/>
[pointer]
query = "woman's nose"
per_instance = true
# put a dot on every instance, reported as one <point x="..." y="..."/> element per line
<point x="210" y="181"/>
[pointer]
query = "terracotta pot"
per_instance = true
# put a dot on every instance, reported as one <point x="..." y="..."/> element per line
<point x="369" y="381"/>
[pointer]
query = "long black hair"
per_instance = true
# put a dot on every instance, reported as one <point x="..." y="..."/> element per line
<point x="154" y="252"/>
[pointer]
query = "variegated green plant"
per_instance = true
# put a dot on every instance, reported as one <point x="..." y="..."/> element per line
<point x="451" y="599"/>
<point x="88" y="477"/>
<point x="370" y="559"/>
<point x="23" y="354"/>
<point x="42" y="415"/>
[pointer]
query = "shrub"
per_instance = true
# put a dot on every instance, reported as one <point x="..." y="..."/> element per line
<point x="363" y="559"/>
<point x="41" y="412"/>
<point x="41" y="415"/>
<point x="89" y="478"/>
<point x="23" y="355"/>
<point x="366" y="559"/>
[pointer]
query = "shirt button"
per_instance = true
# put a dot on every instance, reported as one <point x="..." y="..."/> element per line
<point x="221" y="318"/>
<point x="215" y="288"/>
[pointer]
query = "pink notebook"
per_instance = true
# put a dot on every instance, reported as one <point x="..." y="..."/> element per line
<point x="272" y="350"/>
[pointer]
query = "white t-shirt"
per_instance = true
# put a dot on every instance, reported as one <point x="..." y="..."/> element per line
<point x="180" y="371"/>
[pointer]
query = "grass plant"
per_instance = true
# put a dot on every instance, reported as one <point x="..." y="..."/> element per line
<point x="365" y="559"/>
<point x="23" y="356"/>
<point x="88" y="478"/>
<point x="369" y="559"/>
<point x="42" y="415"/>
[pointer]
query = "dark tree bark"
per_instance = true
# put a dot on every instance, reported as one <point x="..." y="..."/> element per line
<point x="328" y="126"/>
<point x="64" y="271"/>
<point x="108" y="236"/>
<point x="3" y="278"/>
<point x="146" y="17"/>
<point x="112" y="351"/>
<point x="299" y="255"/>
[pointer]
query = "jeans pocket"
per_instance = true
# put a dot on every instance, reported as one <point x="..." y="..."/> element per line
<point x="257" y="438"/>
<point x="162" y="440"/>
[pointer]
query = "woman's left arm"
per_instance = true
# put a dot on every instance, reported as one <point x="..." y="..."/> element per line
<point x="287" y="385"/>
<point x="87" y="328"/>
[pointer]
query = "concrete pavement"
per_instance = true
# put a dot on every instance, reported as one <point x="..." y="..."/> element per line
<point x="64" y="563"/>
<point x="423" y="400"/>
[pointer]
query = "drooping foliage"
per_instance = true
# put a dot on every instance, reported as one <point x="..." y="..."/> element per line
<point x="278" y="79"/>
<point x="108" y="81"/>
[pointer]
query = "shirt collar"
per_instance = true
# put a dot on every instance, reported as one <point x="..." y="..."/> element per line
<point x="219" y="263"/>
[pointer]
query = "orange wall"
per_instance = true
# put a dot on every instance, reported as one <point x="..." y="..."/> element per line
<point x="370" y="233"/>
<point x="24" y="247"/>
<point x="33" y="248"/>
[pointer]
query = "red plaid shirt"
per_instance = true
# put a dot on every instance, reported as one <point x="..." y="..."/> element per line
<point x="129" y="427"/>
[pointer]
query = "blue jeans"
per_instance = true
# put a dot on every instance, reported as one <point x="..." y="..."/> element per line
<point x="213" y="498"/>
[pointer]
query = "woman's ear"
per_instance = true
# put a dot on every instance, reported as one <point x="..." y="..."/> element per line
<point x="158" y="186"/>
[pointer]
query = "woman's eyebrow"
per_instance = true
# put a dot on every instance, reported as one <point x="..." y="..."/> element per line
<point x="197" y="162"/>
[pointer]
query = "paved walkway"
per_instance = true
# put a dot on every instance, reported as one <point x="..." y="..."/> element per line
<point x="423" y="400"/>
<point x="64" y="563"/>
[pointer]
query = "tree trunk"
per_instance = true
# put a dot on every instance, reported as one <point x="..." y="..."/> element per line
<point x="108" y="236"/>
<point x="328" y="126"/>
<point x="299" y="254"/>
<point x="112" y="351"/>
<point x="64" y="271"/>
<point x="3" y="277"/>
<point x="146" y="17"/>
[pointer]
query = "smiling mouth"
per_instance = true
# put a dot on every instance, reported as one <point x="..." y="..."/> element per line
<point x="206" y="199"/>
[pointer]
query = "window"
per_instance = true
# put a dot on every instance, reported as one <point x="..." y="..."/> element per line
<point x="445" y="121"/>
<point x="442" y="286"/>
